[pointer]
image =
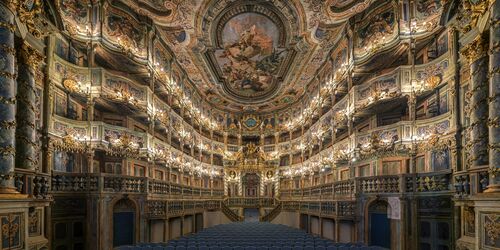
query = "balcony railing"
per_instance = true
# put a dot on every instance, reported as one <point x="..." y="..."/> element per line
<point x="469" y="182"/>
<point x="320" y="208"/>
<point x="90" y="183"/>
<point x="250" y="202"/>
<point x="35" y="185"/>
<point x="378" y="185"/>
<point x="171" y="208"/>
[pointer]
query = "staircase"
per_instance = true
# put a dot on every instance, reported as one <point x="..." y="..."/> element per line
<point x="230" y="213"/>
<point x="272" y="214"/>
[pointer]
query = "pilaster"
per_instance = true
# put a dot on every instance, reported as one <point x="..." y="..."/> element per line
<point x="494" y="99"/>
<point x="28" y="59"/>
<point x="7" y="97"/>
<point x="476" y="53"/>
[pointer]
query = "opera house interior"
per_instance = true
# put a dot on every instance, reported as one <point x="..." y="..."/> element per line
<point x="249" y="124"/>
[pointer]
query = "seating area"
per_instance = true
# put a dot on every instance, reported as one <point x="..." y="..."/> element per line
<point x="249" y="235"/>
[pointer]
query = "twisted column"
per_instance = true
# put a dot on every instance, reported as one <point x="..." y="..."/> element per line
<point x="7" y="97"/>
<point x="494" y="99"/>
<point x="28" y="60"/>
<point x="476" y="53"/>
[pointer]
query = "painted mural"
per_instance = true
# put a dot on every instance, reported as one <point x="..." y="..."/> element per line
<point x="378" y="29"/>
<point x="124" y="30"/>
<point x="440" y="160"/>
<point x="442" y="44"/>
<point x="426" y="8"/>
<point x="75" y="13"/>
<point x="250" y="57"/>
<point x="64" y="161"/>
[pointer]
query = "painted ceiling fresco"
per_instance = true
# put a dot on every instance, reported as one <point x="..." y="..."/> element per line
<point x="251" y="56"/>
<point x="241" y="56"/>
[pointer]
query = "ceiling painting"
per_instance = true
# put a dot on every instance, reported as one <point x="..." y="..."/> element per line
<point x="250" y="58"/>
<point x="238" y="58"/>
<point x="124" y="31"/>
<point x="375" y="31"/>
<point x="75" y="13"/>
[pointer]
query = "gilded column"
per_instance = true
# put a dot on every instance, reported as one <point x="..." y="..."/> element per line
<point x="28" y="59"/>
<point x="494" y="99"/>
<point x="476" y="53"/>
<point x="7" y="96"/>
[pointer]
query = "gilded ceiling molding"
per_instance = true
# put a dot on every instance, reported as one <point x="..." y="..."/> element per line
<point x="339" y="10"/>
<point x="123" y="31"/>
<point x="75" y="15"/>
<point x="168" y="13"/>
<point x="377" y="30"/>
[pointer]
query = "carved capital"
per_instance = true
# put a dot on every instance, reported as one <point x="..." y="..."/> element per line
<point x="28" y="11"/>
<point x="476" y="49"/>
<point x="30" y="56"/>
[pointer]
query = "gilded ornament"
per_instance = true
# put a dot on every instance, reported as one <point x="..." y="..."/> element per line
<point x="494" y="123"/>
<point x="7" y="124"/>
<point x="7" y="151"/>
<point x="492" y="228"/>
<point x="12" y="4"/>
<point x="71" y="85"/>
<point x="8" y="49"/>
<point x="28" y="11"/>
<point x="494" y="171"/>
<point x="30" y="56"/>
<point x="8" y="75"/>
<point x="70" y="144"/>
<point x="433" y="81"/>
<point x="5" y="100"/>
<point x="9" y="26"/>
<point x="476" y="49"/>
<point x="10" y="230"/>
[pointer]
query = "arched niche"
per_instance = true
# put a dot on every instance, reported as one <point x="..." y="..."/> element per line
<point x="124" y="222"/>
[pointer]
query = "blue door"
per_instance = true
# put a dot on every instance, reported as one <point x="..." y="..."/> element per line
<point x="380" y="230"/>
<point x="123" y="228"/>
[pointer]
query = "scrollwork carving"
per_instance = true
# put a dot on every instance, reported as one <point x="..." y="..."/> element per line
<point x="476" y="49"/>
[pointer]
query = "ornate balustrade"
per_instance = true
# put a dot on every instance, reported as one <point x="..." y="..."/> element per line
<point x="172" y="208"/>
<point x="470" y="182"/>
<point x="429" y="182"/>
<point x="373" y="185"/>
<point x="328" y="208"/>
<point x="250" y="202"/>
<point x="83" y="136"/>
<point x="379" y="184"/>
<point x="75" y="182"/>
<point x="35" y="185"/>
<point x="92" y="183"/>
<point x="343" y="188"/>
<point x="321" y="208"/>
<point x="124" y="184"/>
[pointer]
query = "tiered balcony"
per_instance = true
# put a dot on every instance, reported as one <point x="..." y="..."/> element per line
<point x="397" y="138"/>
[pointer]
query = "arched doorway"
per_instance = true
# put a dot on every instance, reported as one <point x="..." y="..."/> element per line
<point x="123" y="222"/>
<point x="379" y="224"/>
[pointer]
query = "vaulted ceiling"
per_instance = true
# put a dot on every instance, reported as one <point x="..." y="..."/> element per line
<point x="237" y="57"/>
<point x="249" y="55"/>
